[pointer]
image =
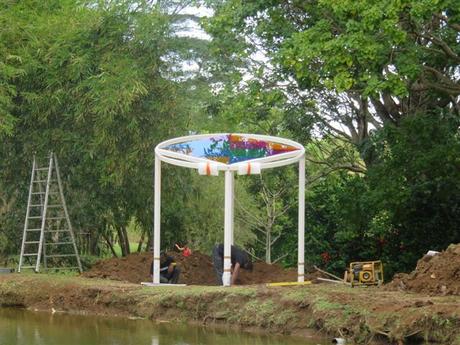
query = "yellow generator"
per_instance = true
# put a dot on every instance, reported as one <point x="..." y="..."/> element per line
<point x="365" y="273"/>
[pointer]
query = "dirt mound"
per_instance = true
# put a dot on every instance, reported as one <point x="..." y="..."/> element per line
<point x="133" y="268"/>
<point x="434" y="275"/>
<point x="197" y="269"/>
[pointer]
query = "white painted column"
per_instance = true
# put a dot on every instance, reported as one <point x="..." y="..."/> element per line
<point x="232" y="207"/>
<point x="157" y="221"/>
<point x="228" y="223"/>
<point x="301" y="230"/>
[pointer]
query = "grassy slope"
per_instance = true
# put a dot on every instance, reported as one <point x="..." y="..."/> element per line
<point x="360" y="314"/>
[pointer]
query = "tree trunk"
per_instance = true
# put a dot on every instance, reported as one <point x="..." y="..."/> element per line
<point x="123" y="240"/>
<point x="110" y="244"/>
<point x="141" y="241"/>
<point x="125" y="235"/>
<point x="149" y="245"/>
<point x="268" y="246"/>
<point x="93" y="243"/>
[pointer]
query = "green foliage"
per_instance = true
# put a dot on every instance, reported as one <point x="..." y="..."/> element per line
<point x="254" y="109"/>
<point x="407" y="204"/>
<point x="7" y="90"/>
<point x="91" y="89"/>
<point x="368" y="47"/>
<point x="377" y="85"/>
<point x="348" y="67"/>
<point x="270" y="212"/>
<point x="416" y="187"/>
<point x="197" y="217"/>
<point x="336" y="224"/>
<point x="370" y="88"/>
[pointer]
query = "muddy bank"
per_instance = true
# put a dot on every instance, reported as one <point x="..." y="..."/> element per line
<point x="361" y="315"/>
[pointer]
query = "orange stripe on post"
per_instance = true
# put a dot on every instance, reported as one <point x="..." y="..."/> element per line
<point x="208" y="168"/>
<point x="249" y="168"/>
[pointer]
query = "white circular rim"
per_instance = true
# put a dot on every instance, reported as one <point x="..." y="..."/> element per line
<point x="187" y="161"/>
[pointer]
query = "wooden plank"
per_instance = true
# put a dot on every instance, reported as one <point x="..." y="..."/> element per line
<point x="308" y="282"/>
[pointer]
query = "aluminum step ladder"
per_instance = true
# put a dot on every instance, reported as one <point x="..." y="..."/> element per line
<point x="48" y="233"/>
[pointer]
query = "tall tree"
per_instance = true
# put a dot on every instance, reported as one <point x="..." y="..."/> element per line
<point x="266" y="215"/>
<point x="352" y="65"/>
<point x="359" y="75"/>
<point x="92" y="89"/>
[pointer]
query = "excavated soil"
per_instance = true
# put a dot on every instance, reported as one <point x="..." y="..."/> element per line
<point x="197" y="269"/>
<point x="434" y="275"/>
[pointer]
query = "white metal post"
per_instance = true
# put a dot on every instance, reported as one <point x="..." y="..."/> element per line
<point x="301" y="243"/>
<point x="228" y="222"/>
<point x="232" y="208"/>
<point x="157" y="221"/>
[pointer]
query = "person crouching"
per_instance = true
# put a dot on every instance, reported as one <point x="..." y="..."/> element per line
<point x="169" y="271"/>
<point x="239" y="258"/>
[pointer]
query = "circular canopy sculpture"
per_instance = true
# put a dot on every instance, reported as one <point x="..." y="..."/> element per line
<point x="245" y="154"/>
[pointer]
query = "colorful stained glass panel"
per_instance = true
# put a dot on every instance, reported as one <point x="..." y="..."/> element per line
<point x="230" y="148"/>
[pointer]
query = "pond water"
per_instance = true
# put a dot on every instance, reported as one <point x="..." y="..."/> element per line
<point x="21" y="327"/>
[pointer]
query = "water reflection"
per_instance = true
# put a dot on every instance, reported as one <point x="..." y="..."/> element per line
<point x="231" y="148"/>
<point x="19" y="327"/>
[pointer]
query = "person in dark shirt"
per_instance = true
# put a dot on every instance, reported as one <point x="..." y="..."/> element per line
<point x="239" y="258"/>
<point x="169" y="272"/>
